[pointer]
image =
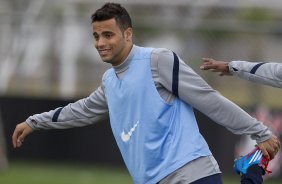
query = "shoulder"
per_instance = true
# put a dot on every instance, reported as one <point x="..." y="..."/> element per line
<point x="163" y="55"/>
<point x="162" y="52"/>
<point x="107" y="74"/>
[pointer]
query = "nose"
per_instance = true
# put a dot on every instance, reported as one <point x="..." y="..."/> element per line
<point x="99" y="43"/>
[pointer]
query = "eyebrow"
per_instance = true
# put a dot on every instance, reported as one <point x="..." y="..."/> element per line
<point x="105" y="32"/>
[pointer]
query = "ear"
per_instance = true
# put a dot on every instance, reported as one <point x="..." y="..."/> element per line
<point x="128" y="34"/>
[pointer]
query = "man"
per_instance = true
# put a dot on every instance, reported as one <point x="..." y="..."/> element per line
<point x="264" y="73"/>
<point x="149" y="95"/>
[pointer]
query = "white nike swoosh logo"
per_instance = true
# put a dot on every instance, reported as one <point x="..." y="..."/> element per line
<point x="126" y="136"/>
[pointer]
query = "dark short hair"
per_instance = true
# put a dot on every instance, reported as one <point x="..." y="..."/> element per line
<point x="113" y="10"/>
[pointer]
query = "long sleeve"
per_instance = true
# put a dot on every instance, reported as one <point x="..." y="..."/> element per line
<point x="80" y="113"/>
<point x="196" y="92"/>
<point x="264" y="73"/>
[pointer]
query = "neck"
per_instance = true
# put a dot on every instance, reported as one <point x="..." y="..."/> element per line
<point x="126" y="53"/>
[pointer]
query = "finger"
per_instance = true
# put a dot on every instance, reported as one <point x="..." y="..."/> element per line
<point x="277" y="147"/>
<point x="19" y="143"/>
<point x="213" y="69"/>
<point x="275" y="144"/>
<point x="202" y="67"/>
<point x="221" y="74"/>
<point x="272" y="154"/>
<point x="21" y="138"/>
<point x="207" y="59"/>
<point x="278" y="142"/>
<point x="265" y="152"/>
<point x="207" y="66"/>
<point x="15" y="137"/>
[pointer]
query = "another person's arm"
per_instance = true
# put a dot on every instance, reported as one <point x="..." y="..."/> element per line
<point x="196" y="92"/>
<point x="264" y="73"/>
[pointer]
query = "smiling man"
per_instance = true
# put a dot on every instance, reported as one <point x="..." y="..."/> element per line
<point x="149" y="95"/>
<point x="112" y="41"/>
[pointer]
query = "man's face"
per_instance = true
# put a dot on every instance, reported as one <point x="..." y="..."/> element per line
<point x="112" y="44"/>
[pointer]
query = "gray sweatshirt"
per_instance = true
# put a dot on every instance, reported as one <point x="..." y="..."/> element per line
<point x="264" y="73"/>
<point x="192" y="89"/>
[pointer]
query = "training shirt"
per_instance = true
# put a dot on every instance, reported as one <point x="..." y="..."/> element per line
<point x="264" y="73"/>
<point x="155" y="137"/>
<point x="192" y="90"/>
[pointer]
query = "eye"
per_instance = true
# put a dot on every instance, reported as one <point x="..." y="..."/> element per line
<point x="108" y="35"/>
<point x="96" y="37"/>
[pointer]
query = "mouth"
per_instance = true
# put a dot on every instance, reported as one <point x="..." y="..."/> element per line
<point x="104" y="52"/>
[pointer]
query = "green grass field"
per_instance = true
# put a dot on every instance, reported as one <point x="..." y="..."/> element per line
<point x="67" y="173"/>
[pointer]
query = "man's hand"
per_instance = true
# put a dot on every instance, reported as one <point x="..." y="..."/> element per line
<point x="215" y="66"/>
<point x="270" y="147"/>
<point x="20" y="132"/>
